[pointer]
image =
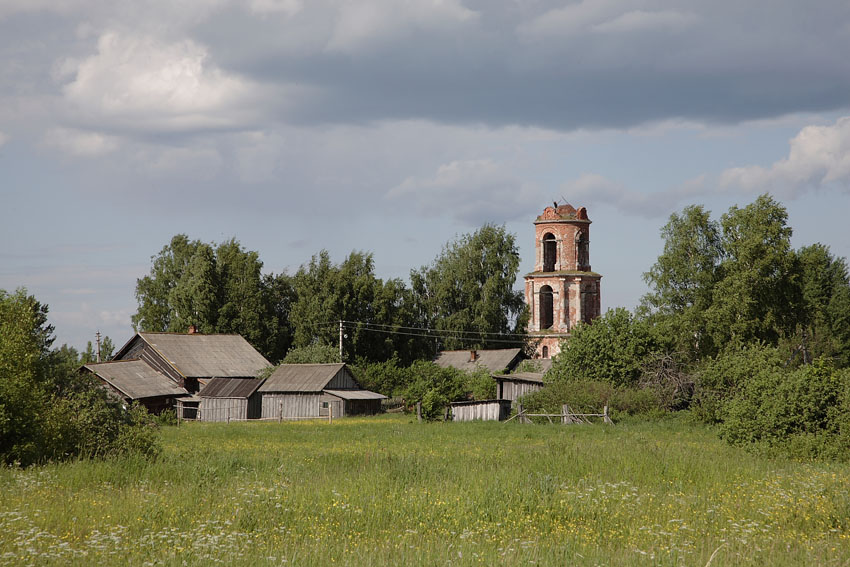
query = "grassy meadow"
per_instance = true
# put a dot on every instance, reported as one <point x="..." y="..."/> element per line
<point x="389" y="491"/>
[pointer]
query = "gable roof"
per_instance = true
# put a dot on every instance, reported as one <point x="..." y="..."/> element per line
<point x="199" y="356"/>
<point x="135" y="379"/>
<point x="230" y="388"/>
<point x="492" y="360"/>
<point x="302" y="377"/>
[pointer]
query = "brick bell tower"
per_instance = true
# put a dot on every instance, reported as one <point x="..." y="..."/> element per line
<point x="562" y="290"/>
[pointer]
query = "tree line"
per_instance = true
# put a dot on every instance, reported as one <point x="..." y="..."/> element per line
<point x="465" y="296"/>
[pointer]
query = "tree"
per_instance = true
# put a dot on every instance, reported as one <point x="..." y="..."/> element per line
<point x="684" y="277"/>
<point x="468" y="291"/>
<point x="757" y="292"/>
<point x="613" y="349"/>
<point x="373" y="311"/>
<point x="219" y="289"/>
<point x="48" y="411"/>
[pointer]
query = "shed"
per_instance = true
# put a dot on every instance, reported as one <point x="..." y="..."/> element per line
<point x="483" y="410"/>
<point x="313" y="390"/>
<point x="227" y="399"/>
<point x="191" y="359"/>
<point x="513" y="386"/>
<point x="496" y="360"/>
<point x="136" y="381"/>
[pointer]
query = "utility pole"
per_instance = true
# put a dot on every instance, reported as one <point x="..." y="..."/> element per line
<point x="340" y="341"/>
<point x="97" y="340"/>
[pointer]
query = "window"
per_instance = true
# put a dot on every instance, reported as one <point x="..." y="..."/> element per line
<point x="550" y="252"/>
<point x="546" y="307"/>
<point x="582" y="251"/>
<point x="545" y="352"/>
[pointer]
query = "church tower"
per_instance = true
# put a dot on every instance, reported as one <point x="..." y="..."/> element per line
<point x="562" y="290"/>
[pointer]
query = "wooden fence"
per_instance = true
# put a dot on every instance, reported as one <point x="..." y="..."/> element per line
<point x="566" y="417"/>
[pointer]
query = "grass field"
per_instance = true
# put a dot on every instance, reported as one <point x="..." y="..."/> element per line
<point x="389" y="491"/>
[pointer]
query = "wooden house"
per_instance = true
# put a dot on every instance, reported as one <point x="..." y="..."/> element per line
<point x="481" y="410"/>
<point x="513" y="386"/>
<point x="192" y="359"/>
<point x="230" y="399"/>
<point x="496" y="360"/>
<point x="296" y="391"/>
<point x="136" y="381"/>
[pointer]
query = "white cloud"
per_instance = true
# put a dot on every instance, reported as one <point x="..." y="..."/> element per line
<point x="359" y="24"/>
<point x="286" y="7"/>
<point x="3" y="138"/>
<point x="819" y="156"/>
<point x="80" y="142"/>
<point x="143" y="83"/>
<point x="473" y="191"/>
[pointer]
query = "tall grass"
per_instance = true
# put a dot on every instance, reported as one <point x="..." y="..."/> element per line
<point x="388" y="491"/>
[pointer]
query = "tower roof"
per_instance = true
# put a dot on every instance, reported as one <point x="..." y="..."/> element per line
<point x="563" y="212"/>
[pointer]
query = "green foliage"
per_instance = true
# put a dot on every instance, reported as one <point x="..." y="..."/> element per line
<point x="435" y="387"/>
<point x="373" y="310"/>
<point x="387" y="377"/>
<point x="219" y="289"/>
<point x="612" y="349"/>
<point x="315" y="353"/>
<point x="805" y="412"/>
<point x="469" y="289"/>
<point x="723" y="376"/>
<point x="48" y="411"/>
<point x="585" y="396"/>
<point x="107" y="347"/>
<point x="480" y="384"/>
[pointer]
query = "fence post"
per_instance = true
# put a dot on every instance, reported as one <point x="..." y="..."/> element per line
<point x="605" y="418"/>
<point x="228" y="414"/>
<point x="330" y="412"/>
<point x="520" y="417"/>
<point x="280" y="412"/>
<point x="419" y="412"/>
<point x="446" y="413"/>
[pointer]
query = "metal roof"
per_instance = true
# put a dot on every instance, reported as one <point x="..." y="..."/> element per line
<point x="230" y="388"/>
<point x="535" y="377"/>
<point x="135" y="379"/>
<point x="492" y="360"/>
<point x="301" y="377"/>
<point x="356" y="394"/>
<point x="198" y="356"/>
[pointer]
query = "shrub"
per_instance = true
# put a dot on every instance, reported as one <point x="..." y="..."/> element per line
<point x="435" y="387"/>
<point x="804" y="413"/>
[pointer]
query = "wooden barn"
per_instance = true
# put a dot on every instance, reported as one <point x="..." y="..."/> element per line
<point x="296" y="391"/>
<point x="496" y="360"/>
<point x="192" y="359"/>
<point x="230" y="399"/>
<point x="483" y="410"/>
<point x="135" y="381"/>
<point x="513" y="386"/>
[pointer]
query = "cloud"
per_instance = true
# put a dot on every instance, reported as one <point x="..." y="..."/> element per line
<point x="819" y="157"/>
<point x="373" y="21"/>
<point x="3" y="138"/>
<point x="644" y="21"/>
<point x="143" y="83"/>
<point x="472" y="191"/>
<point x="593" y="189"/>
<point x="80" y="142"/>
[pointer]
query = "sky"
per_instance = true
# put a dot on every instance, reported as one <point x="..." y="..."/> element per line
<point x="393" y="126"/>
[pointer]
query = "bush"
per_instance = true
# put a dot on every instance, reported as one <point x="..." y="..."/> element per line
<point x="386" y="378"/>
<point x="435" y="387"/>
<point x="804" y="413"/>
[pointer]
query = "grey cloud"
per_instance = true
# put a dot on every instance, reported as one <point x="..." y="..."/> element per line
<point x="593" y="189"/>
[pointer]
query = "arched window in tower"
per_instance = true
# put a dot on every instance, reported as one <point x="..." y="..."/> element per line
<point x="550" y="252"/>
<point x="582" y="251"/>
<point x="545" y="352"/>
<point x="546" y="307"/>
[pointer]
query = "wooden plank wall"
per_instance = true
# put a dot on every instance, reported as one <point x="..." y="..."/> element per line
<point x="289" y="406"/>
<point x="514" y="390"/>
<point x="220" y="409"/>
<point x="486" y="411"/>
